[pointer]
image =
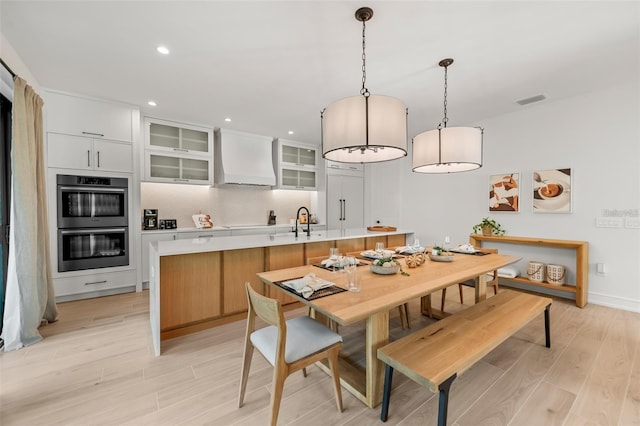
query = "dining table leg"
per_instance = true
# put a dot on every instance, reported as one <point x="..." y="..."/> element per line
<point x="481" y="288"/>
<point x="377" y="331"/>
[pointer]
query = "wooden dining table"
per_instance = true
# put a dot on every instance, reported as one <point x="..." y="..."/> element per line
<point x="378" y="294"/>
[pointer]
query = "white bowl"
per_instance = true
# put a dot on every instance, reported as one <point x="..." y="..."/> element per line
<point x="384" y="270"/>
<point x="440" y="258"/>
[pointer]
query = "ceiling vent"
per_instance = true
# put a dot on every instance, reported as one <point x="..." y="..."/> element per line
<point x="536" y="98"/>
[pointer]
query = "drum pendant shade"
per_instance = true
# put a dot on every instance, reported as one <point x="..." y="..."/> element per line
<point x="366" y="128"/>
<point x="448" y="150"/>
<point x="363" y="129"/>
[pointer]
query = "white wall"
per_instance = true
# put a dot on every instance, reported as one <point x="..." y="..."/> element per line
<point x="597" y="135"/>
<point x="13" y="60"/>
<point x="238" y="205"/>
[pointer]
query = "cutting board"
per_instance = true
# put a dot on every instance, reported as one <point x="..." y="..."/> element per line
<point x="381" y="228"/>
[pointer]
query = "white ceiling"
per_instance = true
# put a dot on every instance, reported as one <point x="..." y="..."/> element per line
<point x="273" y="66"/>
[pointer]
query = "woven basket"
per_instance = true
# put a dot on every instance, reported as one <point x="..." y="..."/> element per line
<point x="556" y="274"/>
<point x="535" y="271"/>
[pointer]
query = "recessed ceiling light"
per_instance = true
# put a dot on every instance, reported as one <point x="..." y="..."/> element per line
<point x="152" y="103"/>
<point x="290" y="132"/>
<point x="163" y="50"/>
<point x="227" y="119"/>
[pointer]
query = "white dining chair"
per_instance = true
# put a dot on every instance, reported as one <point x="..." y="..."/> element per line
<point x="289" y="346"/>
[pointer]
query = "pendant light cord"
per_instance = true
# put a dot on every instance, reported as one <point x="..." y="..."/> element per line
<point x="445" y="119"/>
<point x="364" y="91"/>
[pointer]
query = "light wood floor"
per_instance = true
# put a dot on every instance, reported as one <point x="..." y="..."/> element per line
<point x="95" y="366"/>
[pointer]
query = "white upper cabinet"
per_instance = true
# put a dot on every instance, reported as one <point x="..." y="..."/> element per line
<point x="177" y="152"/>
<point x="83" y="153"/>
<point x="296" y="165"/>
<point x="348" y="167"/>
<point x="177" y="137"/>
<point x="74" y="115"/>
<point x="295" y="154"/>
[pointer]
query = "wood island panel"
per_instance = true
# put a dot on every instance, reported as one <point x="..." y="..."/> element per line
<point x="317" y="249"/>
<point x="240" y="266"/>
<point x="191" y="286"/>
<point x="370" y="242"/>
<point x="396" y="240"/>
<point x="348" y="246"/>
<point x="281" y="257"/>
<point x="387" y="240"/>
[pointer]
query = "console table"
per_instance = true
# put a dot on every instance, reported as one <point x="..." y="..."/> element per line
<point x="582" y="262"/>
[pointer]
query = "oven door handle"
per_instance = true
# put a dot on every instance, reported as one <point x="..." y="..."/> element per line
<point x="91" y="231"/>
<point x="93" y="189"/>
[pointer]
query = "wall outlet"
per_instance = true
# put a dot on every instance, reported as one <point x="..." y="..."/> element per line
<point x="609" y="222"/>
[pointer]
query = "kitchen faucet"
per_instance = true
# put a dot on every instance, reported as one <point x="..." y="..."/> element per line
<point x="308" y="230"/>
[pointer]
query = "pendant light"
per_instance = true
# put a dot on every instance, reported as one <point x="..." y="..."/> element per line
<point x="447" y="149"/>
<point x="366" y="128"/>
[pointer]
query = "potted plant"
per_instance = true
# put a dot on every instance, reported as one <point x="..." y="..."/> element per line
<point x="488" y="227"/>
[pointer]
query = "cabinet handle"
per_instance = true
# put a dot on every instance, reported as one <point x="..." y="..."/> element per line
<point x="181" y="149"/>
<point x="88" y="158"/>
<point x="96" y="282"/>
<point x="344" y="209"/>
<point x="98" y="159"/>
<point x="93" y="134"/>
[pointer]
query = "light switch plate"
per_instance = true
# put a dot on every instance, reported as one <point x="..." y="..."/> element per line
<point x="609" y="222"/>
<point x="632" y="222"/>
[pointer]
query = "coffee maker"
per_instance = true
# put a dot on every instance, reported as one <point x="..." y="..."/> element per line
<point x="150" y="218"/>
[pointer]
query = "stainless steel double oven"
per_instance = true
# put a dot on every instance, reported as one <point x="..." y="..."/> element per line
<point x="93" y="222"/>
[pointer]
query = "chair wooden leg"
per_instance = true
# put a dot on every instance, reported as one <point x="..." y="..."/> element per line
<point x="246" y="366"/>
<point x="461" y="296"/>
<point x="333" y="364"/>
<point x="304" y="372"/>
<point x="406" y="315"/>
<point x="279" y="376"/>
<point x="403" y="312"/>
<point x="444" y="295"/>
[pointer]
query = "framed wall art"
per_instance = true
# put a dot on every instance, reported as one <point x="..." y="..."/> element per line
<point x="552" y="191"/>
<point x="504" y="192"/>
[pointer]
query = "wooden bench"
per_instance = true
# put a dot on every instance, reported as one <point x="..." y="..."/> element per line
<point x="434" y="356"/>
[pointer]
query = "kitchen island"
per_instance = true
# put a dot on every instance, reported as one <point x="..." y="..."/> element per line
<point x="198" y="283"/>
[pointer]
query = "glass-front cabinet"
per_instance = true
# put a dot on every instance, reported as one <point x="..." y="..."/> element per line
<point x="301" y="156"/>
<point x="178" y="153"/>
<point x="296" y="165"/>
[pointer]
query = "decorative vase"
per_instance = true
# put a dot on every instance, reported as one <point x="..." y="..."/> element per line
<point x="486" y="230"/>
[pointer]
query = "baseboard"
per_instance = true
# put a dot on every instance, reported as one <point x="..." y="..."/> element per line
<point x="92" y="294"/>
<point x="614" y="302"/>
<point x="592" y="297"/>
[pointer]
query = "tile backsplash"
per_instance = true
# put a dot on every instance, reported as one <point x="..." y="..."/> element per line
<point x="228" y="206"/>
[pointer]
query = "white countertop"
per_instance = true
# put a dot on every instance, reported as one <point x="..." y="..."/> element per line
<point x="281" y="228"/>
<point x="199" y="245"/>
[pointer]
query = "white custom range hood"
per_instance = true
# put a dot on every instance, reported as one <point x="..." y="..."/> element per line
<point x="243" y="158"/>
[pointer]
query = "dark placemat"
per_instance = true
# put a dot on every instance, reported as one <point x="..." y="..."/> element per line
<point x="329" y="268"/>
<point x="328" y="291"/>
<point x="475" y="253"/>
